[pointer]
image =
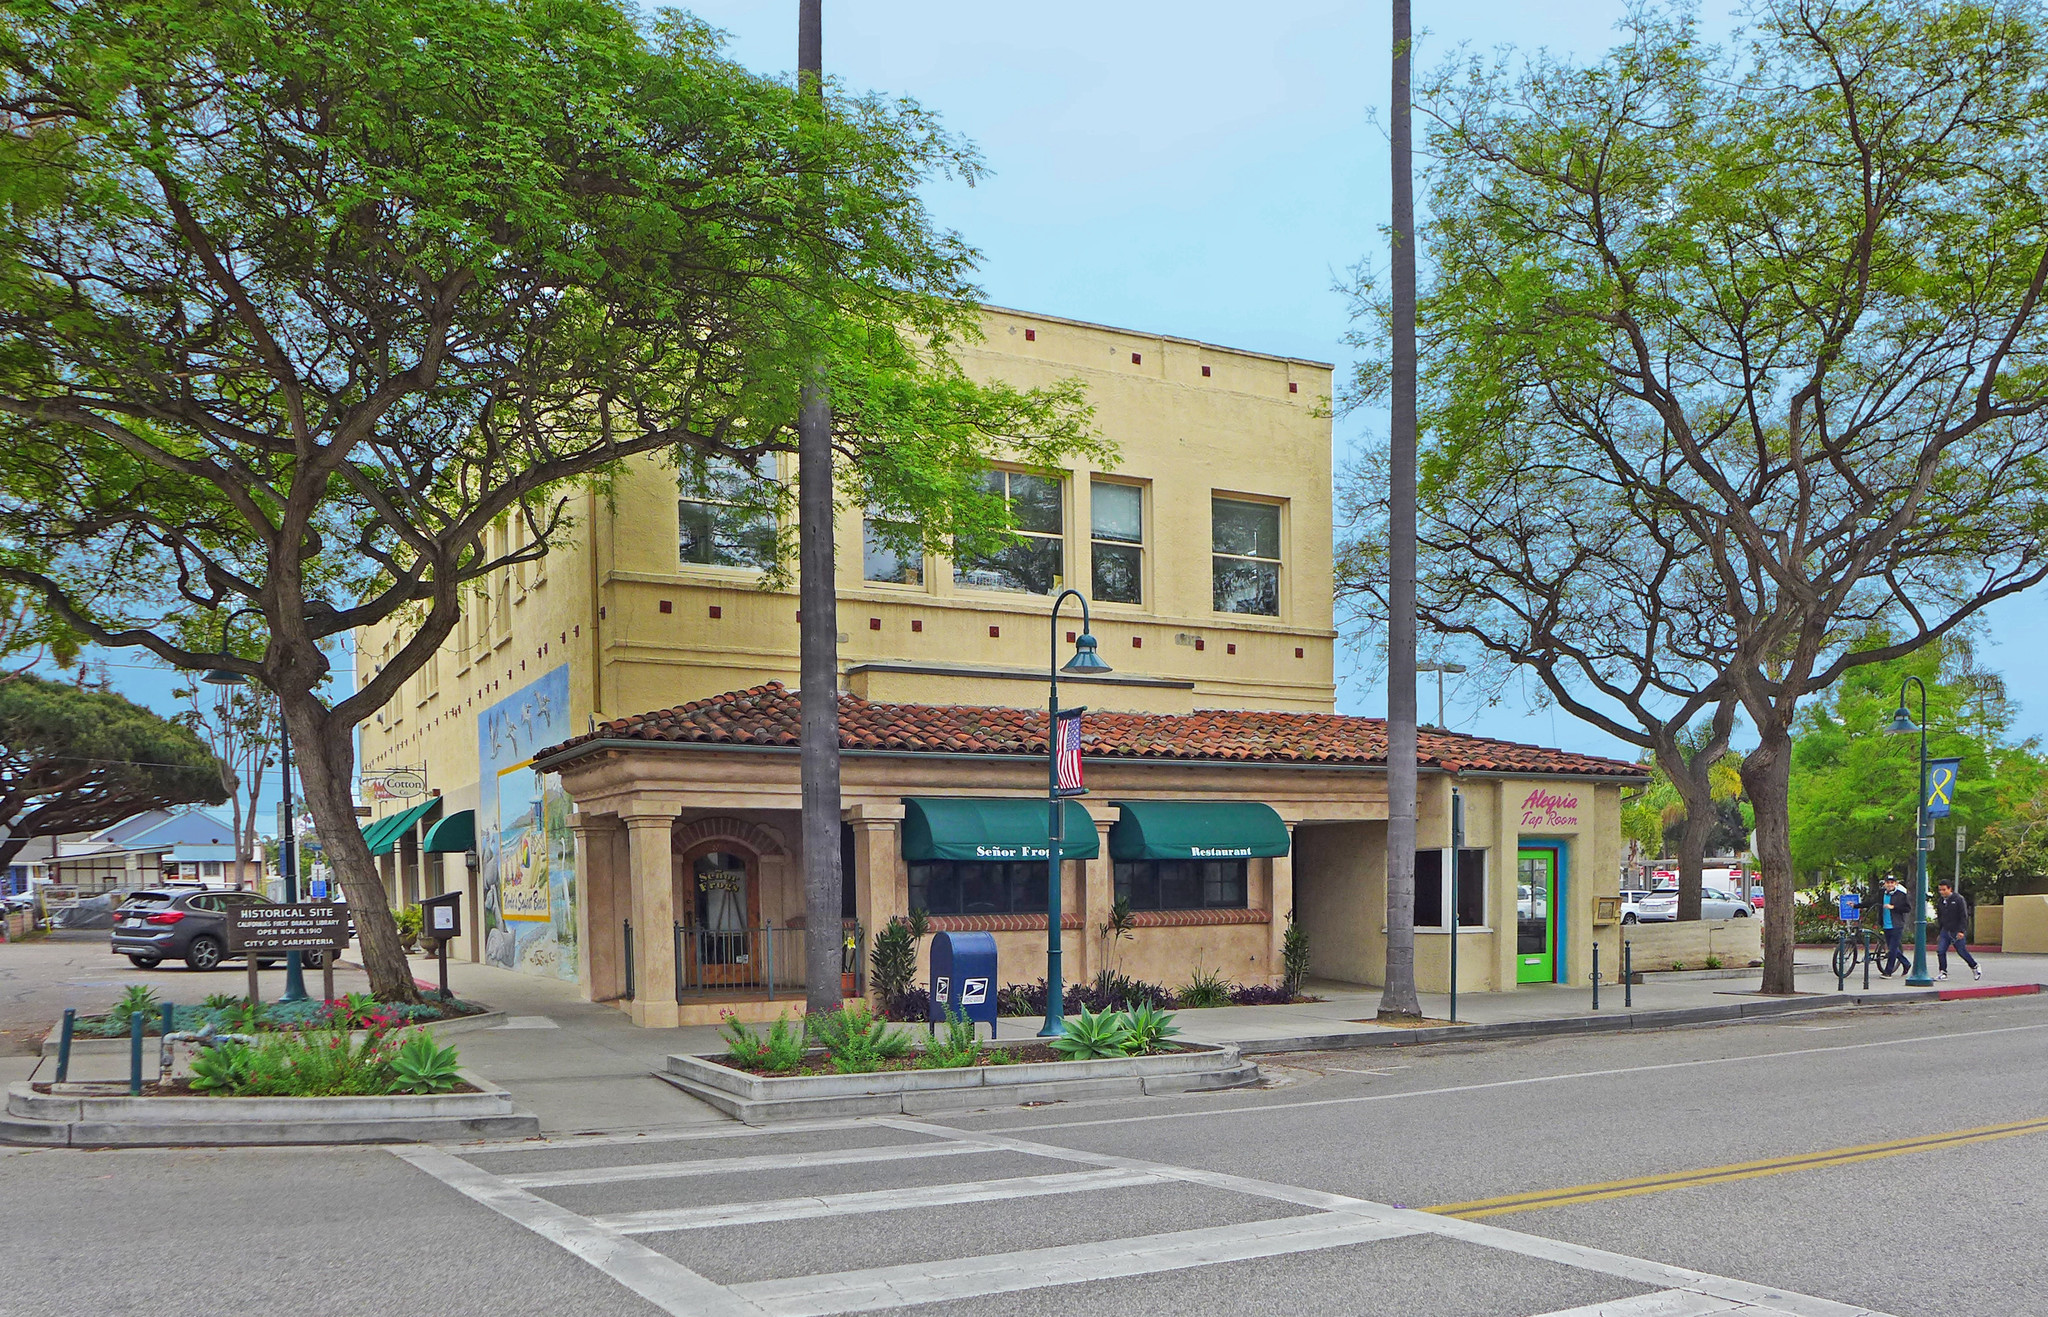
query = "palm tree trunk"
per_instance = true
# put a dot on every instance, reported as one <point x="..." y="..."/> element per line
<point x="818" y="631"/>
<point x="1399" y="997"/>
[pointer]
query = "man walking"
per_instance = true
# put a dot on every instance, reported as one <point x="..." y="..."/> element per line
<point x="1896" y="908"/>
<point x="1953" y="914"/>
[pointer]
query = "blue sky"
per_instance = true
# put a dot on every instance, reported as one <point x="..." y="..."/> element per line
<point x="1199" y="169"/>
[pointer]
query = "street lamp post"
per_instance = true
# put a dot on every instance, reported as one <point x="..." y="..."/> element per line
<point x="1440" y="669"/>
<point x="287" y="833"/>
<point x="1085" y="661"/>
<point x="1902" y="724"/>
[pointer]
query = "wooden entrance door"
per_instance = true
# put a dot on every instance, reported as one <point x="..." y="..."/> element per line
<point x="722" y="890"/>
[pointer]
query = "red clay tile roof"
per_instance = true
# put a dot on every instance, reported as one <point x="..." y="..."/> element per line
<point x="768" y="715"/>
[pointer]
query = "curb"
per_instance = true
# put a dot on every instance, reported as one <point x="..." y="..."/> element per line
<point x="1580" y="1024"/>
<point x="2003" y="990"/>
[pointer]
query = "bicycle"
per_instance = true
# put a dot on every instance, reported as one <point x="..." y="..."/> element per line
<point x="1850" y="951"/>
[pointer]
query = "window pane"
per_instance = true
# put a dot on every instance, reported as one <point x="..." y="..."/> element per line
<point x="1035" y="503"/>
<point x="1223" y="884"/>
<point x="1180" y="885"/>
<point x="1429" y="889"/>
<point x="1118" y="570"/>
<point x="1032" y="565"/>
<point x="1117" y="512"/>
<point x="721" y="536"/>
<point x="937" y="886"/>
<point x="982" y="889"/>
<point x="1027" y="888"/>
<point x="1472" y="887"/>
<point x="1251" y="529"/>
<point x="1243" y="586"/>
<point x="880" y="562"/>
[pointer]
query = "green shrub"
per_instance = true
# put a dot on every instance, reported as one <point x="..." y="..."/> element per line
<point x="1205" y="989"/>
<point x="1093" y="1034"/>
<point x="312" y="1063"/>
<point x="139" y="999"/>
<point x="222" y="1070"/>
<point x="857" y="1041"/>
<point x="1294" y="956"/>
<point x="1148" y="1027"/>
<point x="892" y="964"/>
<point x="780" y="1051"/>
<point x="410" y="921"/>
<point x="221" y="1001"/>
<point x="958" y="1047"/>
<point x="1714" y="962"/>
<point x="422" y="1065"/>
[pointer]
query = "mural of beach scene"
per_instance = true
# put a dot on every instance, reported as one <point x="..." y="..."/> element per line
<point x="526" y="853"/>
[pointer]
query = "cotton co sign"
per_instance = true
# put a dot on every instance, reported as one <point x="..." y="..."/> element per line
<point x="1540" y="809"/>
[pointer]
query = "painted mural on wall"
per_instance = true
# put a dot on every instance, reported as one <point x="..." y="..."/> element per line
<point x="525" y="851"/>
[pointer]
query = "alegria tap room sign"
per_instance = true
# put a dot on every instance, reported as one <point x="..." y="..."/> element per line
<point x="1543" y="809"/>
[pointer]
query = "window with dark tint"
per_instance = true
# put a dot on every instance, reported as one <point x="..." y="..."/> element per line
<point x="1116" y="515"/>
<point x="1246" y="540"/>
<point x="962" y="887"/>
<point x="1036" y="562"/>
<point x="726" y="514"/>
<point x="1430" y="908"/>
<point x="149" y="900"/>
<point x="1182" y="884"/>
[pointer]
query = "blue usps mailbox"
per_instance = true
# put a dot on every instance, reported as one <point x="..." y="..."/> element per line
<point x="1851" y="905"/>
<point x="964" y="977"/>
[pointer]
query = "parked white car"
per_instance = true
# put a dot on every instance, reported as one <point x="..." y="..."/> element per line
<point x="1632" y="902"/>
<point x="1714" y="904"/>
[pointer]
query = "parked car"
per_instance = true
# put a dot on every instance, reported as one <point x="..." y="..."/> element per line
<point x="1714" y="904"/>
<point x="1632" y="900"/>
<point x="179" y="923"/>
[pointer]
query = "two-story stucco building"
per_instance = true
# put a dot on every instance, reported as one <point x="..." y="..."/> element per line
<point x="612" y="732"/>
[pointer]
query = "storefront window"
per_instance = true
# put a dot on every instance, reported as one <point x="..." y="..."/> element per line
<point x="955" y="887"/>
<point x="1431" y="908"/>
<point x="1182" y="884"/>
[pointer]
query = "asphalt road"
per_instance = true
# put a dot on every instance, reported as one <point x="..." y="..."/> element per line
<point x="1288" y="1200"/>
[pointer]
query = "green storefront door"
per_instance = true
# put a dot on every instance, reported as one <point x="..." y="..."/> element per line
<point x="1535" y="931"/>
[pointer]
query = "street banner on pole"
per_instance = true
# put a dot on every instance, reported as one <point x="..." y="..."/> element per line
<point x="1067" y="756"/>
<point x="1941" y="786"/>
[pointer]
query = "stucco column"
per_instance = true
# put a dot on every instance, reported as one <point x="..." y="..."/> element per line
<point x="1280" y="900"/>
<point x="1507" y="842"/>
<point x="878" y="894"/>
<point x="650" y="829"/>
<point x="599" y="913"/>
<point x="1098" y="894"/>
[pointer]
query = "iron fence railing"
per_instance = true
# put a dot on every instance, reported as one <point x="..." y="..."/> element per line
<point x="766" y="959"/>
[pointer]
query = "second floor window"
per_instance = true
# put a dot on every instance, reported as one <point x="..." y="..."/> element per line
<point x="889" y="552"/>
<point x="725" y="514"/>
<point x="1246" y="538"/>
<point x="1117" y="541"/>
<point x="1036" y="562"/>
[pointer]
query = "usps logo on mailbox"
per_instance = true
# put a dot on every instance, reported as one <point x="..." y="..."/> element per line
<point x="973" y="992"/>
<point x="940" y="987"/>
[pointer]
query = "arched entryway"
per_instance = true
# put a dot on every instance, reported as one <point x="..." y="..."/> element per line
<point x="718" y="899"/>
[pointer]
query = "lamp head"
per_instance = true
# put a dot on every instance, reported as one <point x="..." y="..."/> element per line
<point x="1902" y="723"/>
<point x="222" y="677"/>
<point x="1086" y="662"/>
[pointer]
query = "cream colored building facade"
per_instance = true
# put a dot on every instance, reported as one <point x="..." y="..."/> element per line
<point x="1206" y="551"/>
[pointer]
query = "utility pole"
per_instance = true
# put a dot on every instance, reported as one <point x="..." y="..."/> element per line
<point x="818" y="623"/>
<point x="1399" y="999"/>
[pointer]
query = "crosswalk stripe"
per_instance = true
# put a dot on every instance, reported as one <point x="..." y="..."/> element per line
<point x="1004" y="1273"/>
<point x="871" y="1200"/>
<point x="785" y="1161"/>
<point x="1664" y="1303"/>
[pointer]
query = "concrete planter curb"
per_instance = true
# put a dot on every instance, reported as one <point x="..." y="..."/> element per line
<point x="119" y="1121"/>
<point x="758" y="1099"/>
<point x="119" y="1046"/>
<point x="1577" y="1024"/>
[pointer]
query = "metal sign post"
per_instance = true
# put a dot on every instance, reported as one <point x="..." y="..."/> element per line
<point x="1457" y="854"/>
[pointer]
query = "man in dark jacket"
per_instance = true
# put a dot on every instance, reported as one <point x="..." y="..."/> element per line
<point x="1954" y="916"/>
<point x="1896" y="911"/>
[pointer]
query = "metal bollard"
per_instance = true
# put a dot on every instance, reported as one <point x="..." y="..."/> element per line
<point x="629" y="959"/>
<point x="1628" y="975"/>
<point x="1842" y="959"/>
<point x="64" y="1044"/>
<point x="135" y="1054"/>
<point x="1866" y="959"/>
<point x="1596" y="976"/>
<point x="769" y="938"/>
<point x="678" y="933"/>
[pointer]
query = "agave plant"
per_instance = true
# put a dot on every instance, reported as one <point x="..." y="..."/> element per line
<point x="1148" y="1027"/>
<point x="1092" y="1034"/>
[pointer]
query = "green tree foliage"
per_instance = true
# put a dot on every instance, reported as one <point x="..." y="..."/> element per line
<point x="1854" y="783"/>
<point x="73" y="759"/>
<point x="298" y="302"/>
<point x="1762" y="327"/>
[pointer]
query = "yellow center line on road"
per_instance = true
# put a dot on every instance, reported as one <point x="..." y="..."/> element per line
<point x="1653" y="1184"/>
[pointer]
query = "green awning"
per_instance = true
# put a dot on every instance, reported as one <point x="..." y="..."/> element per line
<point x="1196" y="830"/>
<point x="383" y="835"/>
<point x="455" y="833"/>
<point x="965" y="828"/>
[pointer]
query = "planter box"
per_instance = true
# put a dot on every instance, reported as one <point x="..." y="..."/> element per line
<point x="82" y="1046"/>
<point x="94" y="1120"/>
<point x="757" y="1099"/>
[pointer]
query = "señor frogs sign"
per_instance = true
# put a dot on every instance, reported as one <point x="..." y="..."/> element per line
<point x="1546" y="809"/>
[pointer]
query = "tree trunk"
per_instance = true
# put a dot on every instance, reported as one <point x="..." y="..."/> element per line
<point x="818" y="631"/>
<point x="326" y="765"/>
<point x="1767" y="780"/>
<point x="1399" y="998"/>
<point x="1700" y="817"/>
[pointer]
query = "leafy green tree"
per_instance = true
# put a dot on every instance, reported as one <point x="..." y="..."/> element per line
<point x="1774" y="313"/>
<point x="74" y="759"/>
<point x="298" y="302"/>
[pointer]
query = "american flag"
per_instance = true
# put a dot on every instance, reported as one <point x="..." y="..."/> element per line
<point x="1067" y="753"/>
